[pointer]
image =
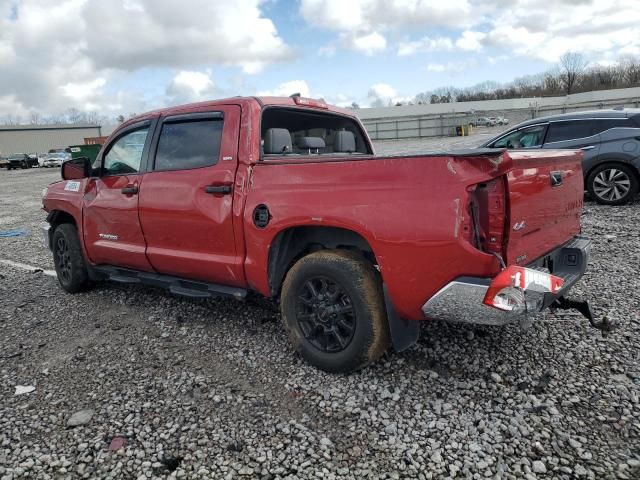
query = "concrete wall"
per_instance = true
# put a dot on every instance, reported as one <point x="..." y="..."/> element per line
<point x="39" y="139"/>
<point x="414" y="121"/>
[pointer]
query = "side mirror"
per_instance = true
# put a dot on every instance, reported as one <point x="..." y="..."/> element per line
<point x="76" y="169"/>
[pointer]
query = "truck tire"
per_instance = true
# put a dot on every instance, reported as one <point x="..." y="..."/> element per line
<point x="612" y="184"/>
<point x="333" y="310"/>
<point x="68" y="259"/>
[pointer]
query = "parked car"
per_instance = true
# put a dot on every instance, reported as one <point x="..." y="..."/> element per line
<point x="21" y="160"/>
<point x="499" y="120"/>
<point x="483" y="122"/>
<point x="609" y="139"/>
<point x="4" y="163"/>
<point x="55" y="159"/>
<point x="285" y="197"/>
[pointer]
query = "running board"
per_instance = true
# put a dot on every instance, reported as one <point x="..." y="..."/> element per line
<point x="176" y="285"/>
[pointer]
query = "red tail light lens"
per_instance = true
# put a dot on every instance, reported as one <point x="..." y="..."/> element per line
<point x="489" y="208"/>
<point x="507" y="290"/>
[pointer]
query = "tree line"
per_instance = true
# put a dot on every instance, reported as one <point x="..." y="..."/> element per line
<point x="72" y="116"/>
<point x="573" y="74"/>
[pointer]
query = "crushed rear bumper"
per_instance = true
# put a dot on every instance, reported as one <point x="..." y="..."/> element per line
<point x="462" y="299"/>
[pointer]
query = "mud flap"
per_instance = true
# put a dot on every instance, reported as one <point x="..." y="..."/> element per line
<point x="404" y="333"/>
<point x="582" y="306"/>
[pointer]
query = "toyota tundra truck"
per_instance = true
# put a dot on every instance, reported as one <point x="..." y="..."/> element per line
<point x="286" y="198"/>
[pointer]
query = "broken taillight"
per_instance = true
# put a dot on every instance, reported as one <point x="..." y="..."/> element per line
<point x="488" y="209"/>
<point x="509" y="288"/>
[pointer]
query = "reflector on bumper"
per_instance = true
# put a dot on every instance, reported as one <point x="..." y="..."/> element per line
<point x="508" y="289"/>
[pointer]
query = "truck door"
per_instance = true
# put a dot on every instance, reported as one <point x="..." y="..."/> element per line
<point x="187" y="197"/>
<point x="111" y="227"/>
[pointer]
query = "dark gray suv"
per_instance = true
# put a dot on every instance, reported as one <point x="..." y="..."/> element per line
<point x="610" y="140"/>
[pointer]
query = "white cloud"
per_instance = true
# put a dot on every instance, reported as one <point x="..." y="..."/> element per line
<point x="190" y="86"/>
<point x="368" y="44"/>
<point x="425" y="44"/>
<point x="369" y="15"/>
<point x="382" y="94"/>
<point x="83" y="90"/>
<point x="470" y="40"/>
<point x="362" y="23"/>
<point x="449" y="67"/>
<point x="60" y="54"/>
<point x="527" y="28"/>
<point x="288" y="88"/>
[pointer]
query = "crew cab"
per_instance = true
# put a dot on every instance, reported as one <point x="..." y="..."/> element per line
<point x="285" y="197"/>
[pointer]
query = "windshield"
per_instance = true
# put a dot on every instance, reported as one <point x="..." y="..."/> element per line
<point x="57" y="156"/>
<point x="16" y="156"/>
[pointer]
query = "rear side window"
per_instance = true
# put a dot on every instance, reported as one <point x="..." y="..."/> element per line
<point x="560" y="131"/>
<point x="600" y="126"/>
<point x="189" y="144"/>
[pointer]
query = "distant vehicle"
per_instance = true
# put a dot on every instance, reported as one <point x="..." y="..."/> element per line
<point x="34" y="159"/>
<point x="4" y="163"/>
<point x="499" y="120"/>
<point x="483" y="122"/>
<point x="609" y="139"/>
<point x="55" y="159"/>
<point x="21" y="160"/>
<point x="41" y="158"/>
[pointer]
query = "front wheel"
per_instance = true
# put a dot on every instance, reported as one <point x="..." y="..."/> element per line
<point x="333" y="309"/>
<point x="68" y="259"/>
<point x="612" y="184"/>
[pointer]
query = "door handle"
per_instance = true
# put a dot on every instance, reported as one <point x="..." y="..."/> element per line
<point x="220" y="189"/>
<point x="130" y="190"/>
<point x="590" y="147"/>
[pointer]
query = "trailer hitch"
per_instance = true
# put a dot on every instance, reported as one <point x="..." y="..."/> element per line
<point x="582" y="306"/>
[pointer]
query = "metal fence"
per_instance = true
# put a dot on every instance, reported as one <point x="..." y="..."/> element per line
<point x="395" y="127"/>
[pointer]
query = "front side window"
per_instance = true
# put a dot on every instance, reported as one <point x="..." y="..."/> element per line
<point x="124" y="156"/>
<point x="528" y="137"/>
<point x="570" y="130"/>
<point x="189" y="144"/>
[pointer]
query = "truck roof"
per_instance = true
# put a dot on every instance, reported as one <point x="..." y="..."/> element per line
<point x="292" y="101"/>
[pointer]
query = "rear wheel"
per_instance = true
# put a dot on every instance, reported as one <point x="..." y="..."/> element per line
<point x="333" y="309"/>
<point x="68" y="259"/>
<point x="24" y="165"/>
<point x="612" y="184"/>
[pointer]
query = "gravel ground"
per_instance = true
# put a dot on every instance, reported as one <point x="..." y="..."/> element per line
<point x="135" y="383"/>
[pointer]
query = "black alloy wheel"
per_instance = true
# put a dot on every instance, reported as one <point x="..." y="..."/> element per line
<point x="63" y="259"/>
<point x="325" y="314"/>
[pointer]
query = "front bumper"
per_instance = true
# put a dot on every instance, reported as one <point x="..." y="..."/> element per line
<point x="462" y="299"/>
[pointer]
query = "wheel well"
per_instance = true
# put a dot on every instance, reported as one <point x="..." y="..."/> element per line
<point x="296" y="242"/>
<point x="58" y="217"/>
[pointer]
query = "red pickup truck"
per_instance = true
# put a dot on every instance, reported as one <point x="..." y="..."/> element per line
<point x="285" y="197"/>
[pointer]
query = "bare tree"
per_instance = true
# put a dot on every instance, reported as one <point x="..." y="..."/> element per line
<point x="572" y="66"/>
<point x="34" y="118"/>
<point x="120" y="118"/>
<point x="11" y="119"/>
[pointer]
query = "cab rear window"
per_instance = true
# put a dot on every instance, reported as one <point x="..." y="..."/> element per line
<point x="297" y="131"/>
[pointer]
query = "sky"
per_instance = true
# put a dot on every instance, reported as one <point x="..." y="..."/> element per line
<point x="124" y="56"/>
